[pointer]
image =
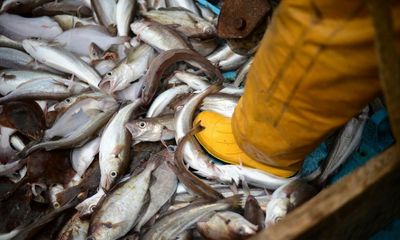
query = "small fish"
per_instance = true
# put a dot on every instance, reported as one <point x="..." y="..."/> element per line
<point x="242" y="73"/>
<point x="12" y="58"/>
<point x="124" y="12"/>
<point x="82" y="157"/>
<point x="226" y="225"/>
<point x="62" y="60"/>
<point x="45" y="88"/>
<point x="204" y="46"/>
<point x="105" y="11"/>
<point x="11" y="79"/>
<point x="223" y="104"/>
<point x="89" y="205"/>
<point x="183" y="21"/>
<point x="115" y="146"/>
<point x="286" y="198"/>
<point x="171" y="225"/>
<point x="158" y="36"/>
<point x="130" y="70"/>
<point x="76" y="8"/>
<point x="67" y="22"/>
<point x="253" y="212"/>
<point x="21" y="6"/>
<point x="226" y="59"/>
<point x="161" y="101"/>
<point x="120" y="210"/>
<point x="9" y="43"/>
<point x="78" y="40"/>
<point x="186" y="4"/>
<point x="196" y="82"/>
<point x="162" y="188"/>
<point x="19" y="28"/>
<point x="152" y="129"/>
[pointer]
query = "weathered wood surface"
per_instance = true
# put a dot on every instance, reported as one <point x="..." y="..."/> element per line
<point x="389" y="59"/>
<point x="354" y="208"/>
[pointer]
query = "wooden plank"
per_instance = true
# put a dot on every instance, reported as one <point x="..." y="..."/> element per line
<point x="388" y="58"/>
<point x="354" y="208"/>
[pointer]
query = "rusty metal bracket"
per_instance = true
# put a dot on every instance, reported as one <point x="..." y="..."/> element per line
<point x="239" y="18"/>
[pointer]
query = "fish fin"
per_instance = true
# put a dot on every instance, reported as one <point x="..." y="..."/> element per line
<point x="236" y="201"/>
<point x="245" y="185"/>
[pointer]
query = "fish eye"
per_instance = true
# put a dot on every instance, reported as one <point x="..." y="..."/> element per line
<point x="142" y="125"/>
<point x="278" y="219"/>
<point x="68" y="100"/>
<point x="18" y="3"/>
<point x="92" y="208"/>
<point x="56" y="205"/>
<point x="144" y="87"/>
<point x="113" y="174"/>
<point x="109" y="74"/>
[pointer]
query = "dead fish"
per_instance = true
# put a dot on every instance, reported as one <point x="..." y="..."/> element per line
<point x="196" y="82"/>
<point x="242" y="73"/>
<point x="19" y="28"/>
<point x="11" y="79"/>
<point x="204" y="46"/>
<point x="286" y="198"/>
<point x="124" y="12"/>
<point x="162" y="188"/>
<point x="12" y="58"/>
<point x="223" y="104"/>
<point x="183" y="21"/>
<point x="206" y="13"/>
<point x="21" y="6"/>
<point x="158" y="36"/>
<point x="71" y="7"/>
<point x="131" y="93"/>
<point x="98" y="115"/>
<point x="115" y="146"/>
<point x="104" y="66"/>
<point x="95" y="53"/>
<point x="178" y="221"/>
<point x="89" y="205"/>
<point x="164" y="99"/>
<point x="253" y="212"/>
<point x="105" y="11"/>
<point x="130" y="70"/>
<point x="45" y="88"/>
<point x="78" y="40"/>
<point x="226" y="59"/>
<point x="75" y="229"/>
<point x="9" y="43"/>
<point x="192" y="183"/>
<point x="67" y="22"/>
<point x="25" y="117"/>
<point x="165" y="60"/>
<point x="152" y="129"/>
<point x="120" y="210"/>
<point x="60" y="59"/>
<point x="186" y="4"/>
<point x="226" y="225"/>
<point x="82" y="157"/>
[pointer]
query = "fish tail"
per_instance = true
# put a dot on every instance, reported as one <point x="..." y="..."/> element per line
<point x="236" y="201"/>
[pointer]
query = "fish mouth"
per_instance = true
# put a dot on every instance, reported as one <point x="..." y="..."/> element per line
<point x="134" y="132"/>
<point x="106" y="183"/>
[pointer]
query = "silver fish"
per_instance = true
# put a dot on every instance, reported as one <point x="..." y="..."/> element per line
<point x="194" y="81"/>
<point x="45" y="88"/>
<point x="75" y="229"/>
<point x="286" y="198"/>
<point x="125" y="11"/>
<point x="156" y="4"/>
<point x="226" y="59"/>
<point x="98" y="115"/>
<point x="183" y="21"/>
<point x="162" y="100"/>
<point x="62" y="60"/>
<point x="104" y="66"/>
<point x="105" y="11"/>
<point x="82" y="157"/>
<point x="19" y="28"/>
<point x="78" y="40"/>
<point x="206" y="13"/>
<point x="12" y="58"/>
<point x="115" y="146"/>
<point x="130" y="70"/>
<point x="120" y="210"/>
<point x="162" y="188"/>
<point x="226" y="225"/>
<point x="158" y="36"/>
<point x="88" y="206"/>
<point x="223" y="104"/>
<point x="177" y="222"/>
<point x="152" y="129"/>
<point x="11" y="79"/>
<point x="21" y="6"/>
<point x="131" y="93"/>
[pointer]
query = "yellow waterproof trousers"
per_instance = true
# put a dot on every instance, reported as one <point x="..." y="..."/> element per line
<point x="315" y="69"/>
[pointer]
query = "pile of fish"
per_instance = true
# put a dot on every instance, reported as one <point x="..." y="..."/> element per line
<point x="97" y="137"/>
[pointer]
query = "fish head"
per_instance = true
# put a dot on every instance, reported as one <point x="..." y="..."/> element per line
<point x="144" y="130"/>
<point x="32" y="45"/>
<point x="277" y="208"/>
<point x="112" y="79"/>
<point x="208" y="29"/>
<point x="10" y="5"/>
<point x="115" y="166"/>
<point x="138" y="26"/>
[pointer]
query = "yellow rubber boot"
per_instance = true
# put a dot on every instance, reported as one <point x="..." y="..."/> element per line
<point x="217" y="138"/>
